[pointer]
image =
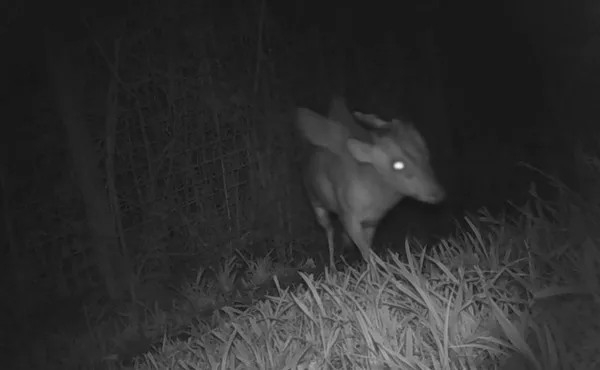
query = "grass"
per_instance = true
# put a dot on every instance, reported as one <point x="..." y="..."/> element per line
<point x="523" y="294"/>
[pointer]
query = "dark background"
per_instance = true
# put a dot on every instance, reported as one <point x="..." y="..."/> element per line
<point x="489" y="84"/>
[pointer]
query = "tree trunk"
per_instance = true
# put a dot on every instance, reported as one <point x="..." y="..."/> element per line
<point x="67" y="86"/>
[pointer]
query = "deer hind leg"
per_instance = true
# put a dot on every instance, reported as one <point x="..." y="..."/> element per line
<point x="324" y="219"/>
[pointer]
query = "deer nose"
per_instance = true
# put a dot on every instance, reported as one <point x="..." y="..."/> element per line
<point x="437" y="195"/>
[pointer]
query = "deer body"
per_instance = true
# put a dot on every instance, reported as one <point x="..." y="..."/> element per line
<point x="360" y="203"/>
<point x="361" y="175"/>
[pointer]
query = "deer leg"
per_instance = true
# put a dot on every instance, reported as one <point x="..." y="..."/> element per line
<point x="346" y="240"/>
<point x="369" y="232"/>
<point x="358" y="235"/>
<point x="324" y="220"/>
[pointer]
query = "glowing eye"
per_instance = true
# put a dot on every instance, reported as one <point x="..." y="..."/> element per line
<point x="398" y="165"/>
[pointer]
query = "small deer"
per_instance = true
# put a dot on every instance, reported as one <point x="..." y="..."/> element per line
<point x="359" y="172"/>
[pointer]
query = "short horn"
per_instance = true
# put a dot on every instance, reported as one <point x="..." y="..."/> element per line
<point x="371" y="120"/>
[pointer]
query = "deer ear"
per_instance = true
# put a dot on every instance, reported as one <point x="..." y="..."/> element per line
<point x="310" y="124"/>
<point x="339" y="112"/>
<point x="320" y="131"/>
<point x="361" y="151"/>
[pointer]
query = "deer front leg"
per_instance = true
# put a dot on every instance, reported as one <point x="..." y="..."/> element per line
<point x="361" y="237"/>
<point x="324" y="219"/>
<point x="369" y="232"/>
